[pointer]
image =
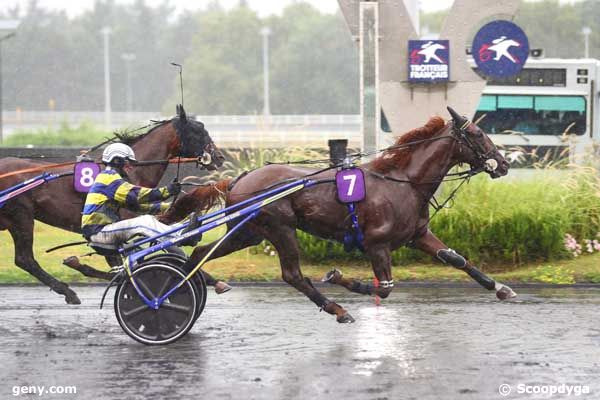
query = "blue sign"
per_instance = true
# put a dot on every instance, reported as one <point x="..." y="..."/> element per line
<point x="428" y="60"/>
<point x="500" y="49"/>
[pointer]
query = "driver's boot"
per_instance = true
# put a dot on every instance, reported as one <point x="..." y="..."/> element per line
<point x="194" y="223"/>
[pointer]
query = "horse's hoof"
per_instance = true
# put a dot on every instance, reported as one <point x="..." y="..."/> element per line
<point x="72" y="298"/>
<point x="505" y="293"/>
<point x="345" y="319"/>
<point x="332" y="276"/>
<point x="72" y="262"/>
<point x="221" y="287"/>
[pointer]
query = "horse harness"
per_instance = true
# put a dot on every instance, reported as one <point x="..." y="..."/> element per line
<point x="356" y="191"/>
<point x="350" y="185"/>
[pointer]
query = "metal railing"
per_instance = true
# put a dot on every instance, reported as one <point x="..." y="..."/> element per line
<point x="49" y="117"/>
<point x="226" y="130"/>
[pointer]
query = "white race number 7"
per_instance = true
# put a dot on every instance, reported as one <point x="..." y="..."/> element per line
<point x="352" y="179"/>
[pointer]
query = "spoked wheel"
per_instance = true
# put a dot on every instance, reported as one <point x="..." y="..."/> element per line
<point x="172" y="320"/>
<point x="178" y="261"/>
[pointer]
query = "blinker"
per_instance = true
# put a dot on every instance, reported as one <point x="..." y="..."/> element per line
<point x="206" y="159"/>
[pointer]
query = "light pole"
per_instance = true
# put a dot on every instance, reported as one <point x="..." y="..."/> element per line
<point x="6" y="24"/>
<point x="2" y="39"/>
<point x="586" y="31"/>
<point x="265" y="32"/>
<point x="128" y="58"/>
<point x="106" y="33"/>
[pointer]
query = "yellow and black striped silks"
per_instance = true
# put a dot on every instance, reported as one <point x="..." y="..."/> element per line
<point x="110" y="192"/>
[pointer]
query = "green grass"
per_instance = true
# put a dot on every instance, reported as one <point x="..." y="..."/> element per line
<point x="86" y="134"/>
<point x="508" y="222"/>
<point x="254" y="265"/>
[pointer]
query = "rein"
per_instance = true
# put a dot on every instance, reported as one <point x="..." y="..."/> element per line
<point x="356" y="156"/>
<point x="177" y="161"/>
<point x="462" y="176"/>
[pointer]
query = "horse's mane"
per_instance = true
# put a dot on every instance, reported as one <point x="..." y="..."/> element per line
<point x="130" y="137"/>
<point x="399" y="157"/>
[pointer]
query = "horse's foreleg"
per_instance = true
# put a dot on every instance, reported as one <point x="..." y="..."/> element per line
<point x="285" y="242"/>
<point x="430" y="244"/>
<point x="23" y="239"/>
<point x="381" y="262"/>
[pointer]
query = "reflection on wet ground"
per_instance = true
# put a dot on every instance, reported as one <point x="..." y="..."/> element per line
<point x="272" y="343"/>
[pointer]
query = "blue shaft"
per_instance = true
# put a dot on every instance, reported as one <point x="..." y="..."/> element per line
<point x="257" y="205"/>
<point x="229" y="233"/>
<point x="5" y="195"/>
<point x="236" y="206"/>
<point x="249" y="212"/>
<point x="24" y="183"/>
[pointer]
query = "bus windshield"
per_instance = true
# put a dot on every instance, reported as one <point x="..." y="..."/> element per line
<point x="532" y="115"/>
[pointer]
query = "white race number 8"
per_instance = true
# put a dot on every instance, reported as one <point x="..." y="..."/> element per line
<point x="87" y="177"/>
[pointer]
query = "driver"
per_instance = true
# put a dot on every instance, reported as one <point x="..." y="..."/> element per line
<point x="100" y="221"/>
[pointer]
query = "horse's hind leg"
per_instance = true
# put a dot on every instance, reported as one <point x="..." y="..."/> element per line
<point x="285" y="241"/>
<point x="239" y="240"/>
<point x="430" y="244"/>
<point x="381" y="262"/>
<point x="73" y="262"/>
<point x="22" y="235"/>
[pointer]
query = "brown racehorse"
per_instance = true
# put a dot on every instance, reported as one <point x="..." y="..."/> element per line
<point x="395" y="212"/>
<point x="57" y="203"/>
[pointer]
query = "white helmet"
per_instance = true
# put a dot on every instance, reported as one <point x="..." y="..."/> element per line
<point x="117" y="150"/>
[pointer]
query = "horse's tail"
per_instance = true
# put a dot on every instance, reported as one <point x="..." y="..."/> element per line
<point x="201" y="200"/>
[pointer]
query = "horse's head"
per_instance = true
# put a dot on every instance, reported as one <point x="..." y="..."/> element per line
<point x="476" y="148"/>
<point x="195" y="141"/>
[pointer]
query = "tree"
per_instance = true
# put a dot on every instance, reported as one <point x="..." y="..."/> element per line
<point x="314" y="64"/>
<point x="223" y="68"/>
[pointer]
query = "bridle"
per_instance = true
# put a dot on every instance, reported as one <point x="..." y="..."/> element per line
<point x="483" y="159"/>
<point x="185" y="133"/>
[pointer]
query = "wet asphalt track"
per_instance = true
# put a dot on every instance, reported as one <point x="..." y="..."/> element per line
<point x="271" y="343"/>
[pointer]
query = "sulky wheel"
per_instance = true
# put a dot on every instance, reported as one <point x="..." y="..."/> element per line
<point x="172" y="320"/>
<point x="178" y="261"/>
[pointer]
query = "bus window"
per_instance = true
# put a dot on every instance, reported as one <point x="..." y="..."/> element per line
<point x="385" y="125"/>
<point x="532" y="115"/>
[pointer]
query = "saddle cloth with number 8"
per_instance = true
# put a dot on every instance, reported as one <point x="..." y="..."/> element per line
<point x="84" y="176"/>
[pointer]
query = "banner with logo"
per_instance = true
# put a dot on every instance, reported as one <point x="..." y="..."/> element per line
<point x="428" y="60"/>
<point x="500" y="49"/>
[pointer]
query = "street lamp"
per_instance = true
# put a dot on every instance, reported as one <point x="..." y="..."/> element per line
<point x="586" y="31"/>
<point x="9" y="24"/>
<point x="106" y="33"/>
<point x="265" y="32"/>
<point x="128" y="58"/>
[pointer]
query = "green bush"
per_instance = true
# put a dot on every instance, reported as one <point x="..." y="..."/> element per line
<point x="86" y="134"/>
<point x="504" y="221"/>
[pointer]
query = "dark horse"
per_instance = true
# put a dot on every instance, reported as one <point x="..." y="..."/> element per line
<point x="57" y="203"/>
<point x="395" y="212"/>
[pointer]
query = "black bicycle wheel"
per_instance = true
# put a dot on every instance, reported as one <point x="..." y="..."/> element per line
<point x="178" y="261"/>
<point x="172" y="320"/>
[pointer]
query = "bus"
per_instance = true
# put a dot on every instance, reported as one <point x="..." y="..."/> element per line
<point x="548" y="111"/>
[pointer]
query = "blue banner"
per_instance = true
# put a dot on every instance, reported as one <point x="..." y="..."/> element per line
<point x="500" y="49"/>
<point x="428" y="60"/>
